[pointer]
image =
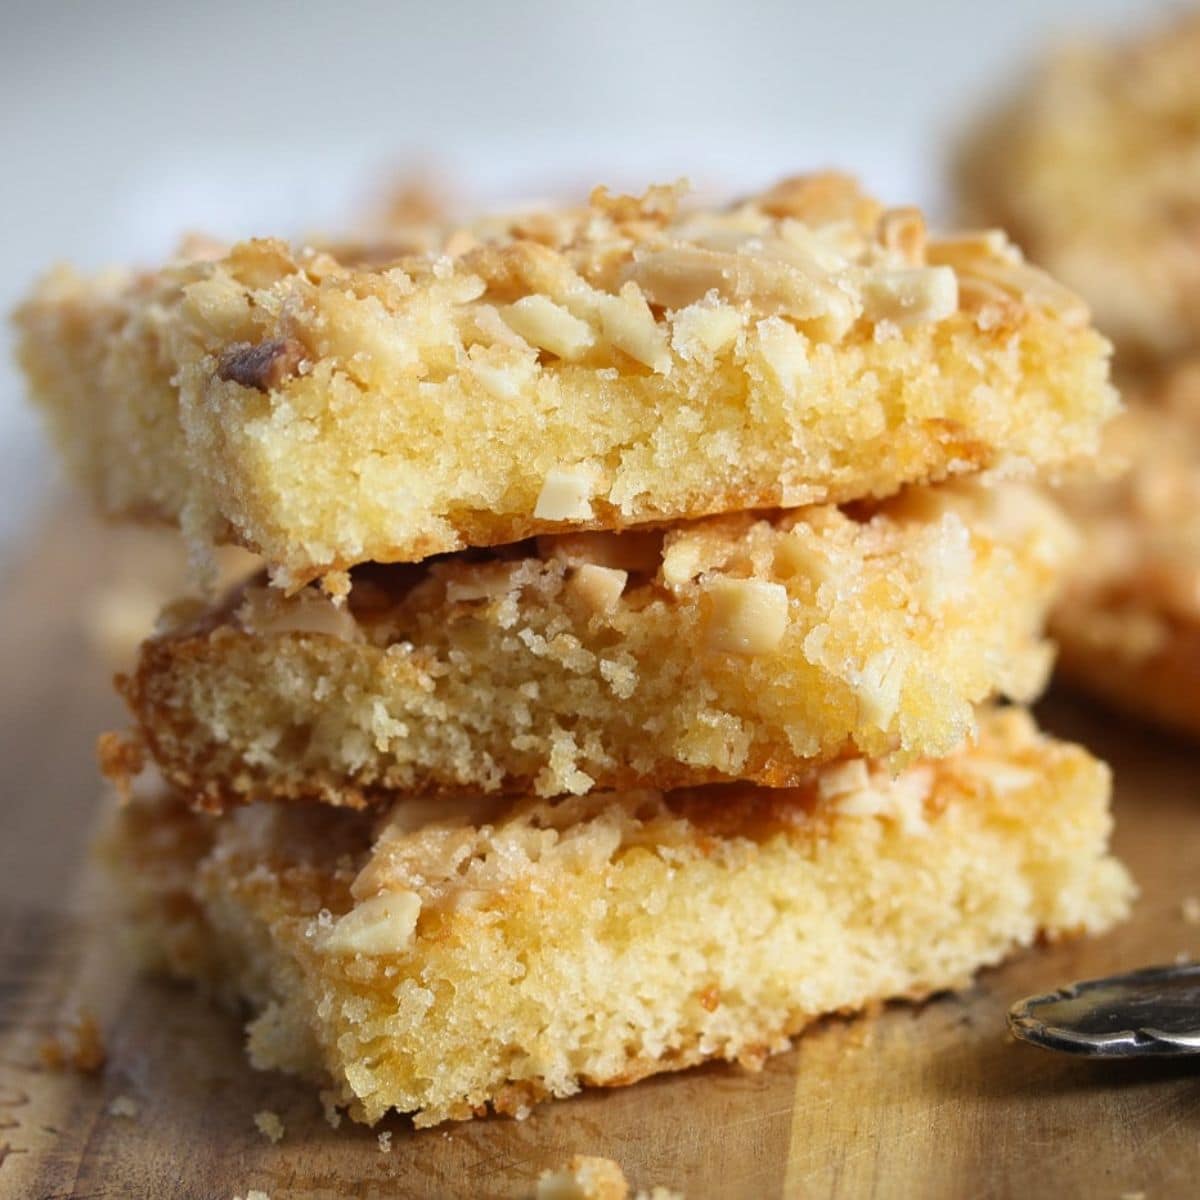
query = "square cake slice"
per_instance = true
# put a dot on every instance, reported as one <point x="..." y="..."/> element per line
<point x="630" y="362"/>
<point x="442" y="964"/>
<point x="741" y="647"/>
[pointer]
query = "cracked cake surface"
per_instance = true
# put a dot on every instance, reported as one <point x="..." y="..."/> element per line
<point x="634" y="361"/>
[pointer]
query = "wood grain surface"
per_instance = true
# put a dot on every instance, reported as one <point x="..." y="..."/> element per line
<point x="934" y="1101"/>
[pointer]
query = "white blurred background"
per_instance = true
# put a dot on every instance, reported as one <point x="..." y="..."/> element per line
<point x="124" y="123"/>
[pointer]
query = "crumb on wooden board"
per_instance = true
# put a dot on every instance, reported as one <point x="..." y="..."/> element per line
<point x="79" y="1047"/>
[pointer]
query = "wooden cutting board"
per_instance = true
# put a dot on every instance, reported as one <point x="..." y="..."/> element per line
<point x="934" y="1101"/>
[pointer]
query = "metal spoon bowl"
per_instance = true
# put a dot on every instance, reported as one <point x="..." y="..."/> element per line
<point x="1153" y="1011"/>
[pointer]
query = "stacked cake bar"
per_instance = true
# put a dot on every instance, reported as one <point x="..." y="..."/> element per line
<point x="621" y="689"/>
<point x="1128" y="622"/>
<point x="1100" y="180"/>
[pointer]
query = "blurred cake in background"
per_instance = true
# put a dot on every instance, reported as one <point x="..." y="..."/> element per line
<point x="1128" y="626"/>
<point x="148" y="570"/>
<point x="1093" y="165"/>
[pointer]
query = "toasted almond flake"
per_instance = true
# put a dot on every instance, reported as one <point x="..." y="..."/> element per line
<point x="745" y="616"/>
<point x="1022" y="286"/>
<point x="999" y="776"/>
<point x="960" y="249"/>
<point x="504" y="378"/>
<point x="384" y="924"/>
<point x="901" y="799"/>
<point x="910" y="295"/>
<point x="774" y="278"/>
<point x="266" y="612"/>
<point x="600" y="588"/>
<point x="492" y="327"/>
<point x="797" y="556"/>
<point x="785" y="352"/>
<point x="566" y="494"/>
<point x="627" y="322"/>
<point x="549" y="326"/>
<point x="902" y="231"/>
<point x="681" y="561"/>
<point x="633" y="550"/>
<point x="843" y="779"/>
<point x="948" y="559"/>
<point x="487" y="581"/>
<point x="707" y="327"/>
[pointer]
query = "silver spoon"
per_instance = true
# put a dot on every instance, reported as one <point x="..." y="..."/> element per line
<point x="1154" y="1011"/>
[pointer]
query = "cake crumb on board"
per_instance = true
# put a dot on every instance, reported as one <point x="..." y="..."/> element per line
<point x="80" y="1047"/>
<point x="329" y="1108"/>
<point x="124" y="1106"/>
<point x="269" y="1125"/>
<point x="591" y="1177"/>
<point x="585" y="1177"/>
